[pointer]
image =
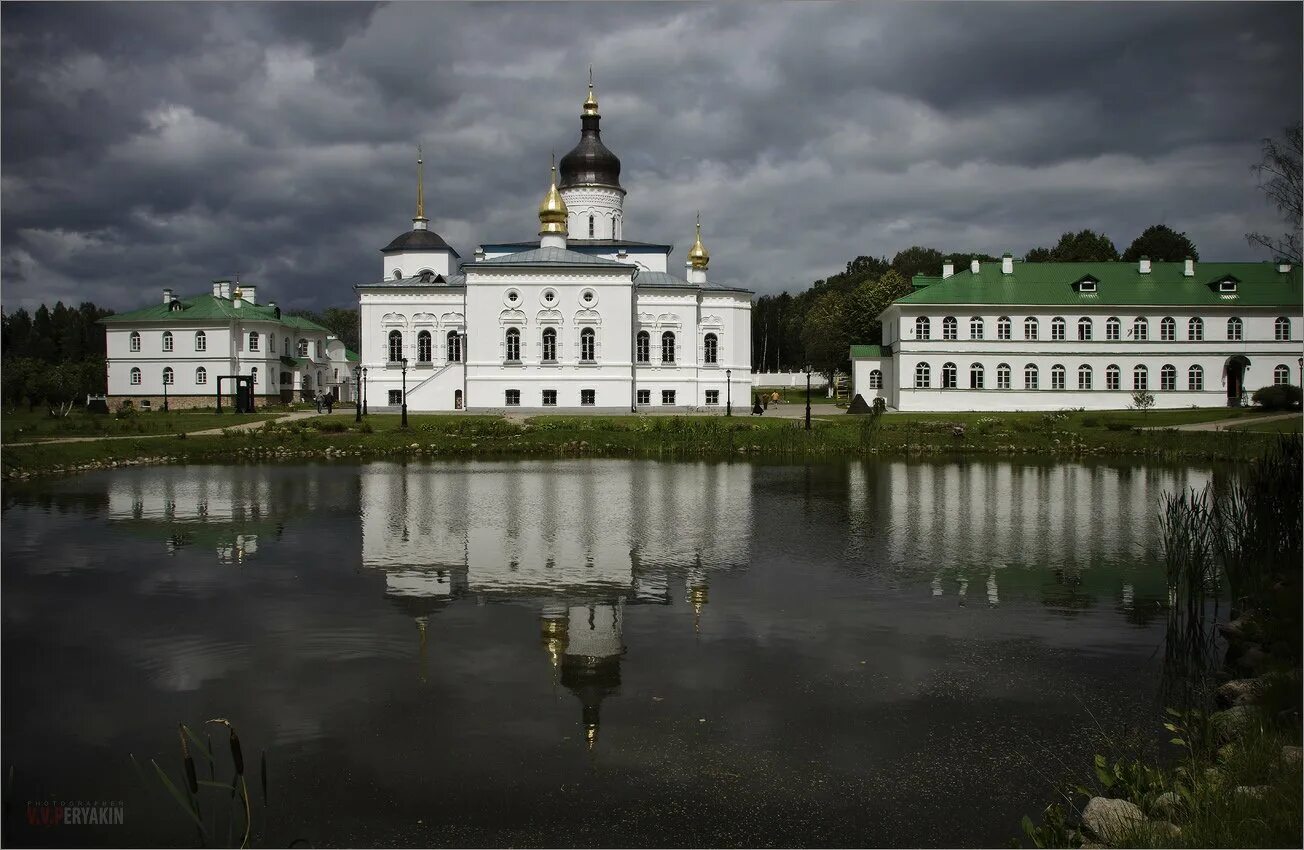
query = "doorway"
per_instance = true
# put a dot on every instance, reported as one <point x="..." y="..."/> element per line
<point x="1234" y="378"/>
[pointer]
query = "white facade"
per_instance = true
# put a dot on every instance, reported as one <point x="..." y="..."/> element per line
<point x="190" y="343"/>
<point x="561" y="323"/>
<point x="956" y="356"/>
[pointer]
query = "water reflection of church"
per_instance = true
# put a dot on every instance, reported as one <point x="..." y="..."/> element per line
<point x="579" y="542"/>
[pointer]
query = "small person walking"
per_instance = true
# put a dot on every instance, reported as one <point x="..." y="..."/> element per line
<point x="317" y="398"/>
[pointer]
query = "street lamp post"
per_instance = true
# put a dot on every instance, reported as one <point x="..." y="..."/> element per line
<point x="403" y="366"/>
<point x="165" y="392"/>
<point x="728" y="392"/>
<point x="366" y="411"/>
<point x="807" y="398"/>
<point x="357" y="398"/>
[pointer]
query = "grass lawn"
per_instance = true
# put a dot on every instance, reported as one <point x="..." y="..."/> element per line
<point x="22" y="425"/>
<point x="1277" y="426"/>
<point x="792" y="395"/>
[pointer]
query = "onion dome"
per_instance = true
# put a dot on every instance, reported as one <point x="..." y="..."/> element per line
<point x="698" y="256"/>
<point x="417" y="240"/>
<point x="590" y="163"/>
<point x="553" y="212"/>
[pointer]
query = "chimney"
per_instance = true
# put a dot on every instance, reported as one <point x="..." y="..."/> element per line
<point x="1144" y="266"/>
<point x="250" y="294"/>
<point x="167" y="295"/>
<point x="271" y="305"/>
<point x="1007" y="264"/>
<point x="1283" y="266"/>
<point x="226" y="289"/>
<point x="479" y="253"/>
<point x="948" y="268"/>
<point x="217" y="289"/>
<point x="973" y="265"/>
<point x="1188" y="269"/>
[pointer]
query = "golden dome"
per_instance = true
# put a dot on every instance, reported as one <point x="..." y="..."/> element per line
<point x="591" y="102"/>
<point x="553" y="212"/>
<point x="698" y="256"/>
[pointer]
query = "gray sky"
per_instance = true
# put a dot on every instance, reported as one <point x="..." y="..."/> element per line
<point x="158" y="144"/>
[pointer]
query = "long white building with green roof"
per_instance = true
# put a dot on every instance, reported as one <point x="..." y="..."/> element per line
<point x="1052" y="336"/>
<point x="181" y="346"/>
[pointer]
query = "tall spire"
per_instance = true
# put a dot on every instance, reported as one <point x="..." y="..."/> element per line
<point x="591" y="102"/>
<point x="419" y="220"/>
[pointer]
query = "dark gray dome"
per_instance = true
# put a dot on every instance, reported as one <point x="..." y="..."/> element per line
<point x="417" y="240"/>
<point x="590" y="163"/>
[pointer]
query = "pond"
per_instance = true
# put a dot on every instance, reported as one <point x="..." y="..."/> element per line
<point x="590" y="652"/>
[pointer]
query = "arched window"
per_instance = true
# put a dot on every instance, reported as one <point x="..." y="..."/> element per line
<point x="1167" y="329"/>
<point x="454" y="346"/>
<point x="875" y="380"/>
<point x="1168" y="377"/>
<point x="253" y="376"/>
<point x="395" y="346"/>
<point x="253" y="340"/>
<point x="923" y="329"/>
<point x="590" y="227"/>
<point x="667" y="347"/>
<point x="1113" y="328"/>
<point x="201" y="375"/>
<point x="1084" y="377"/>
<point x="1140" y="329"/>
<point x="1195" y="379"/>
<point x="1003" y="326"/>
<point x="710" y="346"/>
<point x="303" y="347"/>
<point x="513" y="348"/>
<point x="168" y="375"/>
<point x="167" y="340"/>
<point x="588" y="346"/>
<point x="319" y="348"/>
<point x="1030" y="376"/>
<point x="643" y="347"/>
<point x="285" y="349"/>
<point x="1030" y="328"/>
<point x="1057" y="377"/>
<point x="135" y="377"/>
<point x="424" y="353"/>
<point x="1195" y="329"/>
<point x="923" y="376"/>
<point x="135" y="341"/>
<point x="201" y="341"/>
<point x="1282" y="329"/>
<point x="398" y="274"/>
<point x="950" y="328"/>
<point x="549" y="345"/>
<point x="976" y="328"/>
<point x="615" y="227"/>
<point x="1003" y="376"/>
<point x="1058" y="328"/>
<point x="1235" y="329"/>
<point x="1281" y="374"/>
<point x="1140" y="377"/>
<point x="949" y="379"/>
<point x="1113" y="377"/>
<point x="320" y="382"/>
<point x="1084" y="329"/>
<point x="975" y="376"/>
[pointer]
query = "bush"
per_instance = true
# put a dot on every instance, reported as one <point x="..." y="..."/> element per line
<point x="330" y="426"/>
<point x="1278" y="397"/>
<point x="1090" y="422"/>
<point x="1115" y="425"/>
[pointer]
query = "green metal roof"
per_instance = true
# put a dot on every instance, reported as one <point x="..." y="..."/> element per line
<point x="201" y="308"/>
<point x="302" y="324"/>
<point x="351" y="356"/>
<point x="1260" y="285"/>
<point x="866" y="351"/>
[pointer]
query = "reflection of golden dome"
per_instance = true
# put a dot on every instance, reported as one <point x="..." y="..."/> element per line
<point x="591" y="734"/>
<point x="553" y="627"/>
<point x="553" y="212"/>
<point x="698" y="596"/>
<point x="698" y="256"/>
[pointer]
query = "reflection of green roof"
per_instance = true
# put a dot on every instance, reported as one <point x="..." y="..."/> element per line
<point x="866" y="351"/>
<point x="289" y="361"/>
<point x="1121" y="284"/>
<point x="351" y="356"/>
<point x="201" y="308"/>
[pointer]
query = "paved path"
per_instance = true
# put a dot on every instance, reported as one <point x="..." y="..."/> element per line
<point x="1222" y="424"/>
<point x="244" y="426"/>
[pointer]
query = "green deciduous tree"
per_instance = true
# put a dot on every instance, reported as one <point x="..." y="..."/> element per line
<point x="1085" y="246"/>
<point x="1162" y="244"/>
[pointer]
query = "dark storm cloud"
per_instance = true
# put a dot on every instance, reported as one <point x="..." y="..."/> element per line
<point x="158" y="144"/>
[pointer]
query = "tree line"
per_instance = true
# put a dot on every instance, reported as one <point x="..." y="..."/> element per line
<point x="52" y="356"/>
<point x="818" y="326"/>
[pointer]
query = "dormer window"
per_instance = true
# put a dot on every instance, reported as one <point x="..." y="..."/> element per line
<point x="1086" y="285"/>
<point x="1228" y="285"/>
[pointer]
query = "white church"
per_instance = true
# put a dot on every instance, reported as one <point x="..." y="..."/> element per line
<point x="582" y="318"/>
